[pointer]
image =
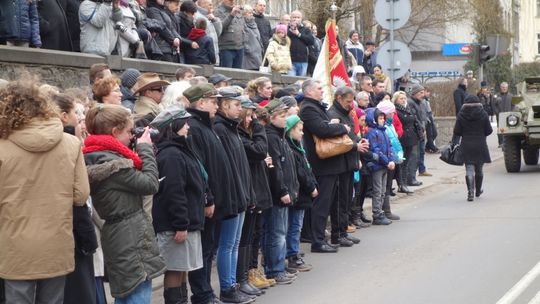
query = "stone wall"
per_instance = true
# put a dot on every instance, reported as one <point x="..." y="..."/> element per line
<point x="445" y="129"/>
<point x="67" y="69"/>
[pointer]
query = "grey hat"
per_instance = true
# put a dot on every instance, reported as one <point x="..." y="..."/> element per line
<point x="129" y="77"/>
<point x="247" y="103"/>
<point x="230" y="92"/>
<point x="289" y="101"/>
<point x="168" y="115"/>
<point x="214" y="79"/>
<point x="415" y="88"/>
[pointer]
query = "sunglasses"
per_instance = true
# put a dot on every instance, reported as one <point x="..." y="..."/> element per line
<point x="160" y="89"/>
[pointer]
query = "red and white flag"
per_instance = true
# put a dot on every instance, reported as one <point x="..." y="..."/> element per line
<point x="330" y="69"/>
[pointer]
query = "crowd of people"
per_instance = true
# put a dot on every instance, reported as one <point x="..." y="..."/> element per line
<point x="179" y="175"/>
<point x="190" y="32"/>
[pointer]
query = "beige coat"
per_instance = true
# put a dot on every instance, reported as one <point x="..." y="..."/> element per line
<point x="279" y="55"/>
<point x="146" y="106"/>
<point x="42" y="175"/>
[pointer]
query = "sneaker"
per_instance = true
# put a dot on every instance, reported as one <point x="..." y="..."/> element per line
<point x="299" y="264"/>
<point x="282" y="279"/>
<point x="256" y="280"/>
<point x="291" y="271"/>
<point x="425" y="174"/>
<point x="381" y="220"/>
<point x="291" y="275"/>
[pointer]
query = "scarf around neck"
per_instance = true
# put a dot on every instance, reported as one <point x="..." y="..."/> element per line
<point x="96" y="143"/>
<point x="196" y="33"/>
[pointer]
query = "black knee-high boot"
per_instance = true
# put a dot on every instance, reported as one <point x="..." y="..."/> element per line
<point x="173" y="295"/>
<point x="242" y="268"/>
<point x="478" y="179"/>
<point x="469" y="179"/>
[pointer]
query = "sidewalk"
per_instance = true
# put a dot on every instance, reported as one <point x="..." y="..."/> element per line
<point x="442" y="174"/>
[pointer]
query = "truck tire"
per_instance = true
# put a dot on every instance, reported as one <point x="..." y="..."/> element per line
<point x="530" y="156"/>
<point x="512" y="153"/>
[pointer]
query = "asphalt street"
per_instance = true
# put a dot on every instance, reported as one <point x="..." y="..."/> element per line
<point x="444" y="250"/>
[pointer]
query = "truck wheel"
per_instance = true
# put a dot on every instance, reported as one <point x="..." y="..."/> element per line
<point x="530" y="156"/>
<point x="512" y="153"/>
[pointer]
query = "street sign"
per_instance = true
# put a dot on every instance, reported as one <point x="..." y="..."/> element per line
<point x="402" y="58"/>
<point x="383" y="13"/>
<point x="457" y="49"/>
<point x="432" y="74"/>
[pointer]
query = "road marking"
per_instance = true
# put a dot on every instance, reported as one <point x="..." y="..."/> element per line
<point x="536" y="299"/>
<point x="520" y="286"/>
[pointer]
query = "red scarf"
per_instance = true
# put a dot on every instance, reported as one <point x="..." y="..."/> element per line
<point x="95" y="143"/>
<point x="355" y="121"/>
<point x="196" y="33"/>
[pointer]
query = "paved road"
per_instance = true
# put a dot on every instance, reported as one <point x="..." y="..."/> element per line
<point x="445" y="250"/>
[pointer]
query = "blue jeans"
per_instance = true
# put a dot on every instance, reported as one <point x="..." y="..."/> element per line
<point x="231" y="58"/>
<point x="141" y="295"/>
<point x="421" y="155"/>
<point x="275" y="233"/>
<point x="298" y="69"/>
<point x="296" y="219"/>
<point x="227" y="253"/>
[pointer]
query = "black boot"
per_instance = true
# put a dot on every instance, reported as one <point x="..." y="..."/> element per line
<point x="184" y="298"/>
<point x="242" y="273"/>
<point x="173" y="295"/>
<point x="233" y="295"/>
<point x="388" y="212"/>
<point x="478" y="179"/>
<point x="402" y="182"/>
<point x="470" y="188"/>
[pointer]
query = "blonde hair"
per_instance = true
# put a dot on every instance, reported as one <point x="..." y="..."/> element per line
<point x="253" y="86"/>
<point x="396" y="95"/>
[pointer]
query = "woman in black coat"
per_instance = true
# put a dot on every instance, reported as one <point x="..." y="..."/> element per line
<point x="54" y="26"/>
<point x="410" y="138"/>
<point x="473" y="126"/>
<point x="253" y="137"/>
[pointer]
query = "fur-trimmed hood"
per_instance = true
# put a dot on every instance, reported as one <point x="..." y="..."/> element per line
<point x="100" y="172"/>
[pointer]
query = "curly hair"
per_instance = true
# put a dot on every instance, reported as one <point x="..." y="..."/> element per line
<point x="20" y="102"/>
<point x="104" y="87"/>
<point x="254" y="85"/>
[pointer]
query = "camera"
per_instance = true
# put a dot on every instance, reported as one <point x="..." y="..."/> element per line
<point x="138" y="132"/>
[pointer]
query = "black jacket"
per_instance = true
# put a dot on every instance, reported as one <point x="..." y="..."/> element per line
<point x="459" y="97"/>
<point x="53" y="25"/>
<point x="168" y="33"/>
<point x="299" y="45"/>
<point x="419" y="112"/>
<point x="317" y="122"/>
<point x="265" y="30"/>
<point x="351" y="157"/>
<point x="411" y="130"/>
<point x="205" y="143"/>
<point x="256" y="147"/>
<point x="205" y="54"/>
<point x="180" y="201"/>
<point x="184" y="25"/>
<point x="473" y="126"/>
<point x="487" y="102"/>
<point x="283" y="179"/>
<point x="306" y="180"/>
<point x="227" y="130"/>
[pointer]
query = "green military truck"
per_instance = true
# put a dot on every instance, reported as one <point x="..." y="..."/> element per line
<point x="521" y="127"/>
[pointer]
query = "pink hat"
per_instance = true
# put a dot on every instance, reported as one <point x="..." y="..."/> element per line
<point x="281" y="28"/>
<point x="386" y="106"/>
<point x="359" y="112"/>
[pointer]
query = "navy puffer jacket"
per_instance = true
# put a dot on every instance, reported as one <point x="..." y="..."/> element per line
<point x="19" y="21"/>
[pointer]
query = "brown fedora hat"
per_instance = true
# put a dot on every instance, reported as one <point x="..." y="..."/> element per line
<point x="148" y="81"/>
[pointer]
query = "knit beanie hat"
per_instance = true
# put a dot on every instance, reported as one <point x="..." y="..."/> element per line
<point x="386" y="106"/>
<point x="129" y="77"/>
<point x="281" y="28"/>
<point x="415" y="88"/>
<point x="292" y="121"/>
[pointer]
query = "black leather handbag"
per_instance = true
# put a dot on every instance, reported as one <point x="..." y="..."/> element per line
<point x="451" y="154"/>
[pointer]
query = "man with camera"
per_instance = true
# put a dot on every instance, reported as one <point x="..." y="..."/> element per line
<point x="301" y="38"/>
<point x="231" y="41"/>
